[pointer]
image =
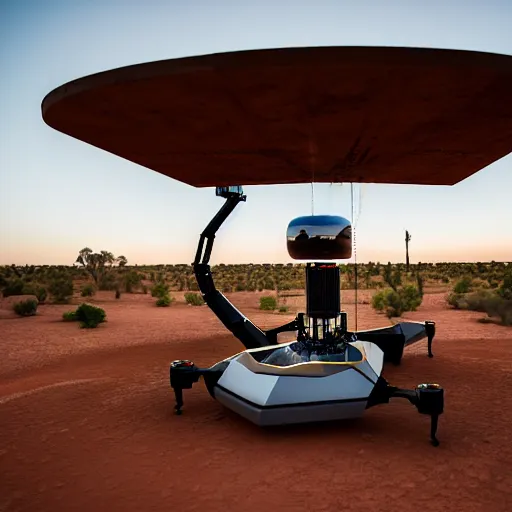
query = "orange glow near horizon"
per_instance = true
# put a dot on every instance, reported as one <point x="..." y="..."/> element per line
<point x="48" y="255"/>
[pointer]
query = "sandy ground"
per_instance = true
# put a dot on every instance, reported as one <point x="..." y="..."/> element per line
<point x="87" y="423"/>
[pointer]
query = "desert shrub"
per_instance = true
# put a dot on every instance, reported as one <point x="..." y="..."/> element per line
<point x="251" y="287"/>
<point x="227" y="288"/>
<point x="283" y="309"/>
<point x="505" y="312"/>
<point x="463" y="285"/>
<point x="41" y="294"/>
<point x="485" y="301"/>
<point x="455" y="300"/>
<point x="90" y="316"/>
<point x="194" y="299"/>
<point x="108" y="281"/>
<point x="393" y="307"/>
<point x="88" y="290"/>
<point x="379" y="301"/>
<point x="395" y="303"/>
<point x="61" y="289"/>
<point x="410" y="298"/>
<point x="285" y="286"/>
<point x="160" y="290"/>
<point x="478" y="301"/>
<point x="480" y="283"/>
<point x="132" y="281"/>
<point x="505" y="290"/>
<point x="26" y="307"/>
<point x="164" y="301"/>
<point x="496" y="306"/>
<point x="14" y="287"/>
<point x="268" y="303"/>
<point x="193" y="286"/>
<point x="69" y="316"/>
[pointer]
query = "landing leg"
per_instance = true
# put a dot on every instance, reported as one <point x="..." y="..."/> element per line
<point x="430" y="328"/>
<point x="183" y="374"/>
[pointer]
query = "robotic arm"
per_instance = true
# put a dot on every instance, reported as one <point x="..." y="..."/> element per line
<point x="250" y="335"/>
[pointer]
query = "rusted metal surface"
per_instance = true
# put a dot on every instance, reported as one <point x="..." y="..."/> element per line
<point x="336" y="114"/>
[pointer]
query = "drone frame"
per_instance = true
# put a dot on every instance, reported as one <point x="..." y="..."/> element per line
<point x="428" y="398"/>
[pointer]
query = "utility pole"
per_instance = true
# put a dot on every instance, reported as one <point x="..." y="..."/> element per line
<point x="407" y="240"/>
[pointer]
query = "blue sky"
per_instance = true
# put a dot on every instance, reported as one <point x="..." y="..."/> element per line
<point x="58" y="195"/>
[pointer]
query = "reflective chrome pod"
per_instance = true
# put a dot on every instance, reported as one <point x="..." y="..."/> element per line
<point x="319" y="237"/>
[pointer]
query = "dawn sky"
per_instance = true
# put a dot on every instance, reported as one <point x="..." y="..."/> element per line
<point x="58" y="195"/>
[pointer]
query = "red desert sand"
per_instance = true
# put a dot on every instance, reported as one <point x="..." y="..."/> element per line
<point x="87" y="423"/>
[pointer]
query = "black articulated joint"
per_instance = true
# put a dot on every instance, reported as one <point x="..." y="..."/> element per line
<point x="295" y="325"/>
<point x="183" y="374"/>
<point x="431" y="401"/>
<point x="430" y="328"/>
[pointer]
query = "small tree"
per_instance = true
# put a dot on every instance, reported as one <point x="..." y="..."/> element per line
<point x="98" y="264"/>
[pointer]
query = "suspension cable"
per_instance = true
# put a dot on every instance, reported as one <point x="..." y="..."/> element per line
<point x="354" y="246"/>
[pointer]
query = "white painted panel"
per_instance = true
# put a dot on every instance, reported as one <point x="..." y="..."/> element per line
<point x="374" y="355"/>
<point x="246" y="384"/>
<point x="340" y="386"/>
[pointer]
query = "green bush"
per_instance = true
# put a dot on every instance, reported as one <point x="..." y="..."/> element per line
<point x="88" y="290"/>
<point x="26" y="307"/>
<point x="463" y="286"/>
<point x="504" y="310"/>
<point x="455" y="300"/>
<point x="69" y="316"/>
<point x="283" y="309"/>
<point x="61" y="290"/>
<point x="479" y="301"/>
<point x="395" y="303"/>
<point x="410" y="298"/>
<point x="90" y="316"/>
<point x="132" y="281"/>
<point x="41" y="294"/>
<point x="505" y="290"/>
<point x="15" y="287"/>
<point x="194" y="299"/>
<point x="164" y="301"/>
<point x="268" y="303"/>
<point x="160" y="290"/>
<point x="108" y="282"/>
<point x="379" y="301"/>
<point x="484" y="301"/>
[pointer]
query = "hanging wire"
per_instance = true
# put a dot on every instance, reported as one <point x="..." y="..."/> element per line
<point x="354" y="246"/>
<point x="312" y="199"/>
